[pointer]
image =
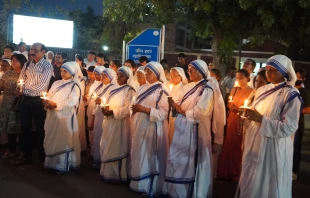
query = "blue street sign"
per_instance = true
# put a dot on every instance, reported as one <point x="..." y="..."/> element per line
<point x="136" y="51"/>
<point x="146" y="44"/>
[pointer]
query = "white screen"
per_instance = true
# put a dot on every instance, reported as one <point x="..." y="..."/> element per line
<point x="50" y="32"/>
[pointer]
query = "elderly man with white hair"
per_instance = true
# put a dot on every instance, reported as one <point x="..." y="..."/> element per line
<point x="268" y="145"/>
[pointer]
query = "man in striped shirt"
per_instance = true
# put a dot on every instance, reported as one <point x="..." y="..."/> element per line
<point x="36" y="75"/>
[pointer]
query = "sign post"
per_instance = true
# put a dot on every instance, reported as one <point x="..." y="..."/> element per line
<point x="147" y="44"/>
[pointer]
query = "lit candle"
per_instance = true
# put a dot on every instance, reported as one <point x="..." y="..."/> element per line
<point x="236" y="84"/>
<point x="44" y="96"/>
<point x="20" y="85"/>
<point x="133" y="99"/>
<point x="170" y="97"/>
<point x="104" y="101"/>
<point x="230" y="99"/>
<point x="170" y="87"/>
<point x="246" y="102"/>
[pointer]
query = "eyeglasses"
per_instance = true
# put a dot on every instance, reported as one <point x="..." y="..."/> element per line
<point x="174" y="76"/>
<point x="191" y="70"/>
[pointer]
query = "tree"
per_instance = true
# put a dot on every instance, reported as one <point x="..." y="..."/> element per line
<point x="226" y="22"/>
<point x="88" y="29"/>
<point x="284" y="21"/>
<point x="222" y="20"/>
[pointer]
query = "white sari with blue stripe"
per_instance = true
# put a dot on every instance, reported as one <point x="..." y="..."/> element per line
<point x="116" y="136"/>
<point x="189" y="172"/>
<point x="268" y="146"/>
<point x="62" y="144"/>
<point x="96" y="111"/>
<point x="150" y="140"/>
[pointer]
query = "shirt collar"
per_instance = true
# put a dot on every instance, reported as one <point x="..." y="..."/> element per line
<point x="40" y="61"/>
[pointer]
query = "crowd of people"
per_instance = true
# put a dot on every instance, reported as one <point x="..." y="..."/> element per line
<point x="159" y="128"/>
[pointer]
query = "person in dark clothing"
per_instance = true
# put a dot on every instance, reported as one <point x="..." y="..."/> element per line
<point x="59" y="60"/>
<point x="305" y="95"/>
<point x="182" y="61"/>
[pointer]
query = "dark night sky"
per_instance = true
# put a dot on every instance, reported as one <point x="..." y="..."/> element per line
<point x="73" y="4"/>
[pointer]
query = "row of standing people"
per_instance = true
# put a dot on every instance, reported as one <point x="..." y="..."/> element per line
<point x="143" y="137"/>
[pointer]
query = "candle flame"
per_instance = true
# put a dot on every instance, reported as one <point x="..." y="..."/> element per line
<point x="171" y="87"/>
<point x="230" y="98"/>
<point x="21" y="81"/>
<point x="44" y="94"/>
<point x="133" y="98"/>
<point x="236" y="84"/>
<point x="246" y="102"/>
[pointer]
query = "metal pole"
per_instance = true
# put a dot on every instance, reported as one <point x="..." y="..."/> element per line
<point x="124" y="52"/>
<point x="8" y="30"/>
<point x="239" y="58"/>
<point x="163" y="42"/>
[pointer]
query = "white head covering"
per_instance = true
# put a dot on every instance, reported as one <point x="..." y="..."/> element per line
<point x="158" y="70"/>
<point x="74" y="69"/>
<point x="181" y="73"/>
<point x="46" y="55"/>
<point x="111" y="74"/>
<point x="8" y="60"/>
<point x="284" y="65"/>
<point x="219" y="112"/>
<point x="99" y="69"/>
<point x="202" y="67"/>
<point x="141" y="69"/>
<point x="128" y="72"/>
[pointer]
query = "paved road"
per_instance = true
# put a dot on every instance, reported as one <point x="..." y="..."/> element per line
<point x="30" y="181"/>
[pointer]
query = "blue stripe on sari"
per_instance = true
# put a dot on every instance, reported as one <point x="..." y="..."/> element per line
<point x="115" y="91"/>
<point x="99" y="86"/>
<point x="61" y="87"/>
<point x="193" y="90"/>
<point x="147" y="93"/>
<point x="264" y="95"/>
<point x="105" y="90"/>
<point x="291" y="97"/>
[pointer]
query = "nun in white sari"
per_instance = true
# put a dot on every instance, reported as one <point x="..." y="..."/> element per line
<point x="178" y="81"/>
<point x="108" y="77"/>
<point x="61" y="142"/>
<point x="268" y="144"/>
<point x="150" y="138"/>
<point x="93" y="94"/>
<point x="81" y="114"/>
<point x="189" y="164"/>
<point x="116" y="137"/>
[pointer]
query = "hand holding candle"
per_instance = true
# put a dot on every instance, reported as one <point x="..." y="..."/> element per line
<point x="44" y="96"/>
<point x="170" y="97"/>
<point x="104" y="105"/>
<point x="94" y="96"/>
<point x="20" y="85"/>
<point x="243" y="109"/>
